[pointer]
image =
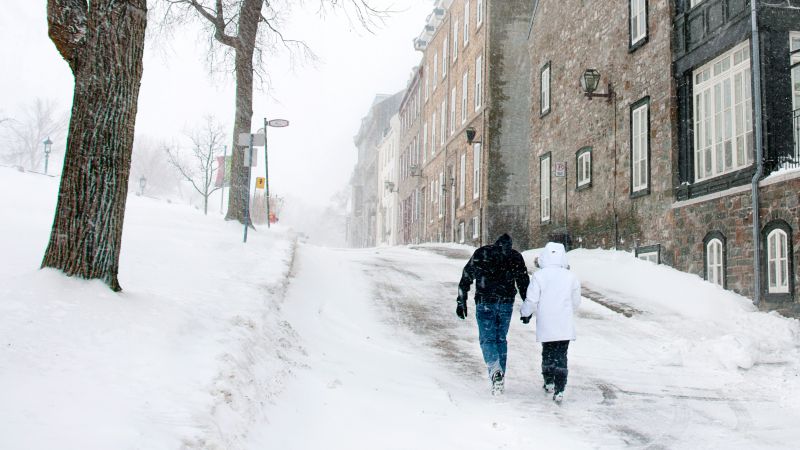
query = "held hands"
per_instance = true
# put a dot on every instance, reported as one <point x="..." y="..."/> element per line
<point x="526" y="319"/>
<point x="461" y="309"/>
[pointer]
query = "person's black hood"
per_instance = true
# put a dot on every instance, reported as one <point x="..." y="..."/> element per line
<point x="504" y="242"/>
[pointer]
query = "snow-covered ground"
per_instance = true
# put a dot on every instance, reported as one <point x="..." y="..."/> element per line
<point x="215" y="344"/>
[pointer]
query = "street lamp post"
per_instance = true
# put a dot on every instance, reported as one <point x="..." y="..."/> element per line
<point x="142" y="184"/>
<point x="277" y="123"/>
<point x="48" y="145"/>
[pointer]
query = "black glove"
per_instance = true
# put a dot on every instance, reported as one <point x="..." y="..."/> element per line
<point x="461" y="309"/>
<point x="526" y="319"/>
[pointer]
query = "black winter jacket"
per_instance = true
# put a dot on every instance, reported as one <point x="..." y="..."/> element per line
<point x="495" y="268"/>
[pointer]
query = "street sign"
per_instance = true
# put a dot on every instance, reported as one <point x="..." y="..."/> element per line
<point x="258" y="140"/>
<point x="260" y="182"/>
<point x="561" y="169"/>
<point x="278" y="123"/>
<point x="246" y="162"/>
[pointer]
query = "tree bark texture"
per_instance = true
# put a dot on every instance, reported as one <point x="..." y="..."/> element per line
<point x="103" y="44"/>
<point x="249" y="17"/>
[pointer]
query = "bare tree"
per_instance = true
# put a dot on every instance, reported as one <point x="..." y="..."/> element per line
<point x="150" y="161"/>
<point x="103" y="43"/>
<point x="206" y="146"/>
<point x="250" y="29"/>
<point x="24" y="136"/>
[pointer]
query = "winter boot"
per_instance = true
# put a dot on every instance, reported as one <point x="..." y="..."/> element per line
<point x="558" y="397"/>
<point x="498" y="385"/>
<point x="549" y="387"/>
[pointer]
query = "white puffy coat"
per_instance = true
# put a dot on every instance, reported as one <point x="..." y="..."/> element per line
<point x="554" y="294"/>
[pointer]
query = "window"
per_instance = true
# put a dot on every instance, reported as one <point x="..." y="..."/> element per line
<point x="640" y="146"/>
<point x="693" y="3"/>
<point x="435" y="70"/>
<point x="544" y="90"/>
<point x="461" y="232"/>
<point x="794" y="55"/>
<point x="466" y="23"/>
<point x="453" y="110"/>
<point x="464" y="92"/>
<point x="445" y="62"/>
<point x="462" y="181"/>
<point x="723" y="125"/>
<point x="583" y="167"/>
<point x="424" y="141"/>
<point x="778" y="262"/>
<point x="715" y="259"/>
<point x="476" y="227"/>
<point x="476" y="170"/>
<point x="455" y="40"/>
<point x="443" y="124"/>
<point x="433" y="133"/>
<point x="638" y="25"/>
<point x="441" y="194"/>
<point x="427" y="83"/>
<point x="479" y="13"/>
<point x="478" y="81"/>
<point x="544" y="187"/>
<point x="650" y="253"/>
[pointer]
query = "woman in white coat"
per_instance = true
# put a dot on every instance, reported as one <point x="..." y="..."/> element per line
<point x="553" y="294"/>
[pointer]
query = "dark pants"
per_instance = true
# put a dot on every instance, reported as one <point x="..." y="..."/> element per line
<point x="493" y="320"/>
<point x="554" y="364"/>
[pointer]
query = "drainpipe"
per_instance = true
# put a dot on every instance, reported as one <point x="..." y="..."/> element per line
<point x="756" y="64"/>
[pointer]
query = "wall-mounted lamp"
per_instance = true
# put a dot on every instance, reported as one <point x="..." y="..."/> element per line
<point x="389" y="186"/>
<point x="589" y="82"/>
<point x="470" y="132"/>
<point x="414" y="171"/>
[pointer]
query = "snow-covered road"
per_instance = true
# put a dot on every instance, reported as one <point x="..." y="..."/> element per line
<point x="387" y="365"/>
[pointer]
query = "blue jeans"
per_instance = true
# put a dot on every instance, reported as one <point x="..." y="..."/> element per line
<point x="493" y="320"/>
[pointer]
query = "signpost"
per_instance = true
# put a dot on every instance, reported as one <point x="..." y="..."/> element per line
<point x="249" y="140"/>
<point x="277" y="123"/>
<point x="260" y="182"/>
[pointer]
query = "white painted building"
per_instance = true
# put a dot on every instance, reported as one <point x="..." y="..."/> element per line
<point x="388" y="203"/>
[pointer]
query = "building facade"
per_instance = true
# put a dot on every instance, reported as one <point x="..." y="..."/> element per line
<point x="388" y="205"/>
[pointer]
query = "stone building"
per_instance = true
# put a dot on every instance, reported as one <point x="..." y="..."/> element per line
<point x="361" y="226"/>
<point x="465" y="176"/>
<point x="662" y="163"/>
<point x="388" y="205"/>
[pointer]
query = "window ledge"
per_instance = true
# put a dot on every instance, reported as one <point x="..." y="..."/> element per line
<point x="641" y="193"/>
<point x="638" y="44"/>
<point x="584" y="187"/>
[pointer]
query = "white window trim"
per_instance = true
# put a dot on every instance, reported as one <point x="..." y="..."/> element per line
<point x="453" y="103"/>
<point x="461" y="232"/>
<point x="714" y="263"/>
<point x="445" y="62"/>
<point x="476" y="227"/>
<point x="479" y="13"/>
<point x="462" y="180"/>
<point x="780" y="283"/>
<point x="466" y="23"/>
<point x="464" y="97"/>
<point x="544" y="188"/>
<point x="455" y="40"/>
<point x="649" y="257"/>
<point x="583" y="170"/>
<point x="794" y="60"/>
<point x="443" y="124"/>
<point x="427" y="83"/>
<point x="544" y="90"/>
<point x="435" y="70"/>
<point x="433" y="133"/>
<point x="476" y="170"/>
<point x="721" y="132"/>
<point x="478" y="82"/>
<point x="638" y="10"/>
<point x="441" y="191"/>
<point x="640" y="118"/>
<point x="693" y="3"/>
<point x="424" y="141"/>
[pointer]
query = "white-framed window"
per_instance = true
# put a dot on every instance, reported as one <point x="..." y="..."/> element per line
<point x="462" y="181"/>
<point x="455" y="40"/>
<point x="583" y="167"/>
<point x="433" y="133"/>
<point x="693" y="3"/>
<point x="794" y="61"/>
<point x="453" y="104"/>
<point x="478" y="82"/>
<point x="435" y="70"/>
<point x="427" y="83"/>
<point x="424" y="141"/>
<point x="714" y="262"/>
<point x="723" y="124"/>
<point x="464" y="94"/>
<point x="778" y="262"/>
<point x="638" y="25"/>
<point x="640" y="145"/>
<point x="479" y="13"/>
<point x="441" y="196"/>
<point x="544" y="188"/>
<point x="461" y="232"/>
<point x="476" y="170"/>
<point x="544" y="90"/>
<point x="649" y="257"/>
<point x="476" y="227"/>
<point x="466" y="23"/>
<point x="445" y="62"/>
<point x="443" y="124"/>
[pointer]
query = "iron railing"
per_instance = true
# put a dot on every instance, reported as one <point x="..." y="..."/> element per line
<point x="795" y="160"/>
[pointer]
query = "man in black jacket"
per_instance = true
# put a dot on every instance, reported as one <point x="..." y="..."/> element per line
<point x="499" y="273"/>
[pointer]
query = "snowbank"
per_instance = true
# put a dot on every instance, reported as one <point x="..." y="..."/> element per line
<point x="184" y="357"/>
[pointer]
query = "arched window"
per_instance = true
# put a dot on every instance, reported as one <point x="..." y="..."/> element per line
<point x="777" y="262"/>
<point x="715" y="258"/>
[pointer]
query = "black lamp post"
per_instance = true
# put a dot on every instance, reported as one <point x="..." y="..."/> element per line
<point x="48" y="145"/>
<point x="142" y="184"/>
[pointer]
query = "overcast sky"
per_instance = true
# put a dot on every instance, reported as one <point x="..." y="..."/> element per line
<point x="313" y="157"/>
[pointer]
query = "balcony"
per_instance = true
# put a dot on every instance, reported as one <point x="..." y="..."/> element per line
<point x="795" y="160"/>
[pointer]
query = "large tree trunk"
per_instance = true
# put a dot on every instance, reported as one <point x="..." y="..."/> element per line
<point x="249" y="16"/>
<point x="103" y="45"/>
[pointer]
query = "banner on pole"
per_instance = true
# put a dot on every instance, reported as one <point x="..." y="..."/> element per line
<point x="223" y="178"/>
